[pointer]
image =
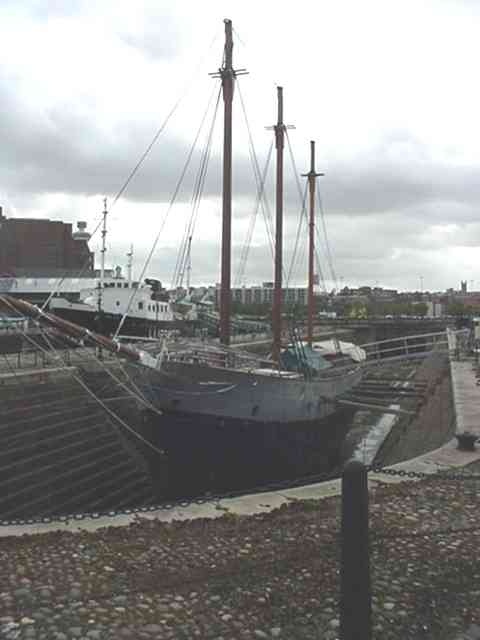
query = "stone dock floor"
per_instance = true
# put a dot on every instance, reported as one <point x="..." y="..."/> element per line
<point x="214" y="572"/>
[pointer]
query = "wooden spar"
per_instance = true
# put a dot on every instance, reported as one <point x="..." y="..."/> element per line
<point x="69" y="328"/>
<point x="311" y="175"/>
<point x="279" y="129"/>
<point x="103" y="250"/>
<point x="227" y="75"/>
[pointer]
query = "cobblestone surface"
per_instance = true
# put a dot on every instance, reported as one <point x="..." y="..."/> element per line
<point x="273" y="575"/>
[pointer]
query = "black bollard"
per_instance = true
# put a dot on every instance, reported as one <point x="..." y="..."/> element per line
<point x="355" y="591"/>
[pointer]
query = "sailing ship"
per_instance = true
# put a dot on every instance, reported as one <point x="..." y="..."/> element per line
<point x="219" y="409"/>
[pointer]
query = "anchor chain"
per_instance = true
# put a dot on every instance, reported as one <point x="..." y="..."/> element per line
<point x="168" y="505"/>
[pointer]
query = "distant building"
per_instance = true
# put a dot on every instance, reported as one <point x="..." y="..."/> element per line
<point x="463" y="286"/>
<point x="264" y="295"/>
<point x="385" y="294"/>
<point x="366" y="292"/>
<point x="435" y="309"/>
<point x="31" y="247"/>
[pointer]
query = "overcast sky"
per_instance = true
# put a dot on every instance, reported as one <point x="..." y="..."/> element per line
<point x="389" y="90"/>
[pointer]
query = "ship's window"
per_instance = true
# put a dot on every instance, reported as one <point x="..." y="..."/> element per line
<point x="140" y="305"/>
<point x="125" y="286"/>
<point x="118" y="303"/>
<point x="119" y="285"/>
<point x="255" y="409"/>
<point x="149" y="308"/>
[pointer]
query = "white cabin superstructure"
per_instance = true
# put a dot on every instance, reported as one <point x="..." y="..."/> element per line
<point x="117" y="299"/>
<point x="139" y="306"/>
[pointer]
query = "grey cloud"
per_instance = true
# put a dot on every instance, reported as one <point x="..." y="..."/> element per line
<point x="66" y="150"/>
<point x="378" y="203"/>
<point x="395" y="174"/>
<point x="159" y="37"/>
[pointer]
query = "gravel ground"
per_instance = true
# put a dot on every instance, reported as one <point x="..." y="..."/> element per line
<point x="273" y="575"/>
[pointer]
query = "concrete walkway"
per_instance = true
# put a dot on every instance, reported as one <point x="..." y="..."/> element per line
<point x="467" y="405"/>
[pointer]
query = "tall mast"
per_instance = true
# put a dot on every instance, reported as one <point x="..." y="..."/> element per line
<point x="101" y="284"/>
<point x="279" y="129"/>
<point x="227" y="74"/>
<point x="102" y="252"/>
<point x="312" y="176"/>
<point x="129" y="265"/>
<point x="188" y="268"/>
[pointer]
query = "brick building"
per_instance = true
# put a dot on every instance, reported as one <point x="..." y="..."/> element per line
<point x="43" y="248"/>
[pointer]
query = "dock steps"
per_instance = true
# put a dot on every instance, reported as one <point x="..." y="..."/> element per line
<point x="62" y="452"/>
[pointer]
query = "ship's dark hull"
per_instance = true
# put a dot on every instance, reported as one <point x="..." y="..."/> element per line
<point x="223" y="428"/>
<point x="108" y="323"/>
<point x="207" y="454"/>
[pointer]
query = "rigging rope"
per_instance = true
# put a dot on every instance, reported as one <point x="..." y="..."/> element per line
<point x="259" y="203"/>
<point x="186" y="89"/>
<point x="94" y="396"/>
<point x="327" y="243"/>
<point x="175" y="106"/>
<point x="79" y="274"/>
<point x="295" y="260"/>
<point x="320" y="273"/>
<point x="139" y="396"/>
<point x="170" y="206"/>
<point x="260" y="179"/>
<point x="183" y="257"/>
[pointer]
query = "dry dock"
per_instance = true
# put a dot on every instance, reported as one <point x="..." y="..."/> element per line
<point x="209" y="571"/>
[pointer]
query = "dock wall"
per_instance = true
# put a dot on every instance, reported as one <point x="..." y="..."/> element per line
<point x="434" y="422"/>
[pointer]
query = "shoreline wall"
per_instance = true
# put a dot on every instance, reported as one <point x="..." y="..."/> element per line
<point x="434" y="423"/>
